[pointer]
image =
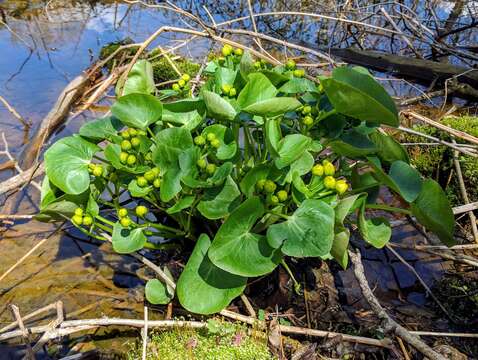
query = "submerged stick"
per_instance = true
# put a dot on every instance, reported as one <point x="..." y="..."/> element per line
<point x="389" y="324"/>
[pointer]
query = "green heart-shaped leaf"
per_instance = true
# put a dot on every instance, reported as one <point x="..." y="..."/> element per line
<point x="389" y="150"/>
<point x="100" y="129"/>
<point x="273" y="107"/>
<point x="182" y="204"/>
<point x="432" y="209"/>
<point x="228" y="146"/>
<point x="140" y="79"/>
<point x="203" y="288"/>
<point x="298" y="85"/>
<point x="237" y="250"/>
<point x="376" y="231"/>
<point x="216" y="202"/>
<point x="158" y="293"/>
<point x="309" y="231"/>
<point x="137" y="110"/>
<point x="257" y="89"/>
<point x="125" y="240"/>
<point x="291" y="148"/>
<point x="67" y="164"/>
<point x="218" y="107"/>
<point x="359" y="96"/>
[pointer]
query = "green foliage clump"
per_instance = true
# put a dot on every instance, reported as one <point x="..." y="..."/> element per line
<point x="185" y="344"/>
<point x="110" y="48"/>
<point x="437" y="161"/>
<point x="263" y="164"/>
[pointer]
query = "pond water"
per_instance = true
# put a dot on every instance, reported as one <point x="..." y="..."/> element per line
<point x="45" y="44"/>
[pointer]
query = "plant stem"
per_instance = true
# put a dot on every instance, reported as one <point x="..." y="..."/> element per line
<point x="106" y="221"/>
<point x="296" y="283"/>
<point x="388" y="208"/>
<point x="165" y="228"/>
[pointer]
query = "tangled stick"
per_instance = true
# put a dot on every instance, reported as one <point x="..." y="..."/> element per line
<point x="389" y="324"/>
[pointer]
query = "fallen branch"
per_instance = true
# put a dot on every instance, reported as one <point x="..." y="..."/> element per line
<point x="18" y="180"/>
<point x="389" y="324"/>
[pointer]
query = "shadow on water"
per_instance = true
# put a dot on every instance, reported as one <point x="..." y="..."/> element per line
<point x="47" y="43"/>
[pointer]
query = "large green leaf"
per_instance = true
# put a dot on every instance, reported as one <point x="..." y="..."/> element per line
<point x="273" y="107"/>
<point x="126" y="241"/>
<point x="67" y="164"/>
<point x="137" y="110"/>
<point x="224" y="76"/>
<point x="402" y="178"/>
<point x="389" y="150"/>
<point x="376" y="231"/>
<point x="257" y="89"/>
<point x="100" y="129"/>
<point x="432" y="209"/>
<point x="237" y="250"/>
<point x="182" y="204"/>
<point x="407" y="179"/>
<point x="340" y="247"/>
<point x="137" y="191"/>
<point x="216" y="202"/>
<point x="359" y="96"/>
<point x="189" y="120"/>
<point x="246" y="66"/>
<point x="218" y="107"/>
<point x="290" y="148"/>
<point x="298" y="85"/>
<point x="140" y="79"/>
<point x="353" y="144"/>
<point x="309" y="231"/>
<point x="170" y="145"/>
<point x="203" y="288"/>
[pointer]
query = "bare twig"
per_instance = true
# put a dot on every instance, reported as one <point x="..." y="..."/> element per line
<point x="432" y="138"/>
<point x="389" y="324"/>
<point x="248" y="306"/>
<point x="145" y="332"/>
<point x="454" y="132"/>
<point x="14" y="112"/>
<point x="7" y="153"/>
<point x="464" y="194"/>
<point x="465" y="208"/>
<point x="24" y="332"/>
<point x="402" y="35"/>
<point x="23" y="258"/>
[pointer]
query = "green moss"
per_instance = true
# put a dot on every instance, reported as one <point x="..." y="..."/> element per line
<point x="185" y="344"/>
<point x="437" y="161"/>
<point x="163" y="70"/>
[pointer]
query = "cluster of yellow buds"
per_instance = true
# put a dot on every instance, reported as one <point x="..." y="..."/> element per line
<point x="228" y="50"/>
<point x="307" y="118"/>
<point x="80" y="218"/>
<point x="269" y="188"/>
<point x="130" y="143"/>
<point x="182" y="82"/>
<point x="95" y="169"/>
<point x="150" y="177"/>
<point x="229" y="90"/>
<point x="327" y="169"/>
<point x="211" y="139"/>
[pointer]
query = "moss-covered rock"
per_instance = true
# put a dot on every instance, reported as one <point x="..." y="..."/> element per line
<point x="229" y="343"/>
<point x="437" y="161"/>
<point x="162" y="69"/>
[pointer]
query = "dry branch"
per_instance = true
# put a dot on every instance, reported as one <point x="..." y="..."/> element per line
<point x="389" y="324"/>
